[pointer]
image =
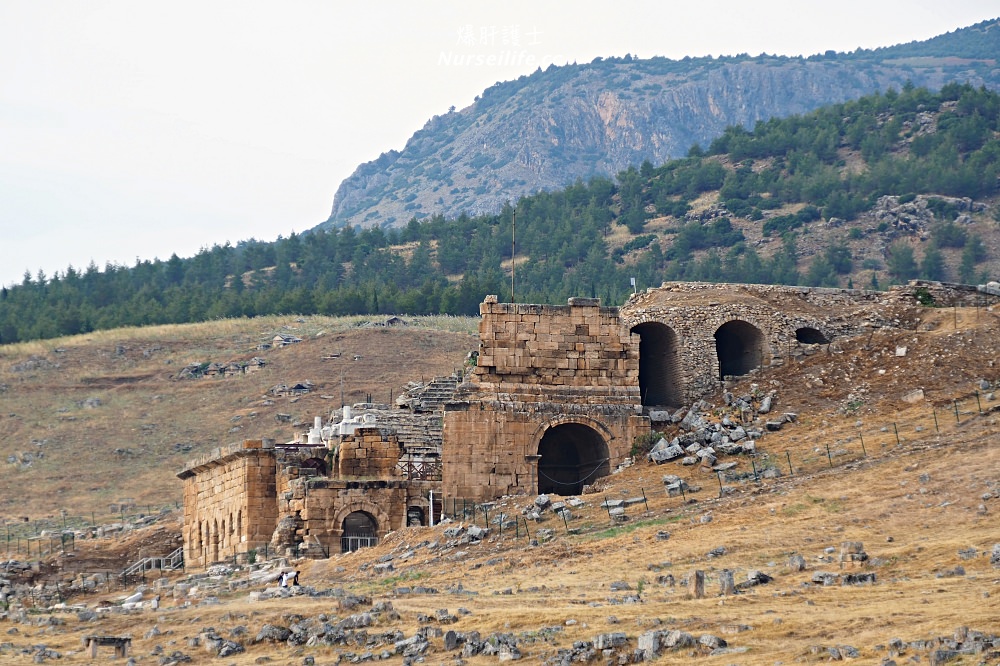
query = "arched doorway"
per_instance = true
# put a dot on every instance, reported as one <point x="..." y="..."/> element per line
<point x="659" y="384"/>
<point x="810" y="336"/>
<point x="360" y="530"/>
<point x="415" y="516"/>
<point x="740" y="348"/>
<point x="572" y="455"/>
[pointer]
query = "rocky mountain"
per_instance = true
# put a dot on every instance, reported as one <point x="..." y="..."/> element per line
<point x="553" y="127"/>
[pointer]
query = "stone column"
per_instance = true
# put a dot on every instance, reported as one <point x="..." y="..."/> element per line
<point x="532" y="461"/>
<point x="696" y="584"/>
<point x="726" y="585"/>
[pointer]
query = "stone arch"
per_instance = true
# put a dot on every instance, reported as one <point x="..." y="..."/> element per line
<point x="740" y="348"/>
<point x="336" y="526"/>
<point x="573" y="451"/>
<point x="359" y="529"/>
<point x="810" y="336"/>
<point x="659" y="372"/>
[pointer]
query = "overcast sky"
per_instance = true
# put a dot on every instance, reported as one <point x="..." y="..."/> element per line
<point x="137" y="129"/>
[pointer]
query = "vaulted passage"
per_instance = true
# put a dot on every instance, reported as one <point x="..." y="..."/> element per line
<point x="572" y="456"/>
<point x="360" y="531"/>
<point x="659" y="382"/>
<point x="740" y="348"/>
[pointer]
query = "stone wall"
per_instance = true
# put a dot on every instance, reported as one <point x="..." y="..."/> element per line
<point x="769" y="322"/>
<point x="552" y="347"/>
<point x="229" y="505"/>
<point x="540" y="367"/>
<point x="368" y="453"/>
<point x="557" y="399"/>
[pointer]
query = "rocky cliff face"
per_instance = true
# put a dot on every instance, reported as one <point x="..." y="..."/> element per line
<point x="547" y="130"/>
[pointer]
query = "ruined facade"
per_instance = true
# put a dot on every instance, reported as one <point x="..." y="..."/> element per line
<point x="555" y="400"/>
<point x="552" y="403"/>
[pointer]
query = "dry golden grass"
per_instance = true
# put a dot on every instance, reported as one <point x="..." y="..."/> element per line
<point x="914" y="506"/>
<point x="82" y="456"/>
<point x="924" y="496"/>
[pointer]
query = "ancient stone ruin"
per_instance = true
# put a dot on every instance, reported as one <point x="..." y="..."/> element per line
<point x="555" y="400"/>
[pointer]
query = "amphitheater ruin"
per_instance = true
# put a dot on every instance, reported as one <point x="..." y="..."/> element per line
<point x="554" y="399"/>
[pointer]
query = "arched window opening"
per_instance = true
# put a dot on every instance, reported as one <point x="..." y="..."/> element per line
<point x="415" y="516"/>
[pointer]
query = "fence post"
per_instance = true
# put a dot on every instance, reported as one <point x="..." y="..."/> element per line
<point x="791" y="472"/>
<point x="863" y="449"/>
<point x="896" y="431"/>
<point x="829" y="456"/>
<point x="718" y="475"/>
<point x="937" y="428"/>
<point x="980" y="403"/>
<point x="754" y="465"/>
<point x="643" y="501"/>
<point x="955" y="404"/>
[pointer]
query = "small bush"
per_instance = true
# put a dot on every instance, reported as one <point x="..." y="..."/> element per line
<point x="643" y="444"/>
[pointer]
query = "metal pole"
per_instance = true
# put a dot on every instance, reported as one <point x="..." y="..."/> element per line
<point x="955" y="404"/>
<point x="828" y="455"/>
<point x="863" y="450"/>
<point x="791" y="472"/>
<point x="980" y="403"/>
<point x="937" y="429"/>
<point x="897" y="433"/>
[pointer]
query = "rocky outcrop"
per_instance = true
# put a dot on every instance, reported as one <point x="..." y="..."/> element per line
<point x="546" y="130"/>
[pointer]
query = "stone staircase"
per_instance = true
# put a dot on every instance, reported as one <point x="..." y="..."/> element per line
<point x="430" y="397"/>
<point x="174" y="560"/>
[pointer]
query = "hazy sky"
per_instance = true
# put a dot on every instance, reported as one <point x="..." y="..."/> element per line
<point x="135" y="129"/>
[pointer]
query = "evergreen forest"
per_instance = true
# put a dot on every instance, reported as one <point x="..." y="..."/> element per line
<point x="590" y="238"/>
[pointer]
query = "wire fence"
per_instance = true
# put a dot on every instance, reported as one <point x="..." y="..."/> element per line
<point x="36" y="538"/>
<point x="824" y="452"/>
<point x="821" y="454"/>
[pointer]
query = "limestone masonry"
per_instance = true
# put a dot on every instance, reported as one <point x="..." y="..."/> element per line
<point x="555" y="399"/>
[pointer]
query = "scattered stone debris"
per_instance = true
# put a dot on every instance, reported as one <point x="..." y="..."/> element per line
<point x="215" y="369"/>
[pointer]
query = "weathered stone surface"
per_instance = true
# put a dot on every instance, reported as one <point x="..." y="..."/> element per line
<point x="666" y="453"/>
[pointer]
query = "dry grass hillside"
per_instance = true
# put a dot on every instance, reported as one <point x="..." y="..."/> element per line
<point x="101" y="419"/>
<point x="920" y="494"/>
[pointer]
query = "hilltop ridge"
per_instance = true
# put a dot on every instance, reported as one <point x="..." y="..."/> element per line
<point x="546" y="130"/>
